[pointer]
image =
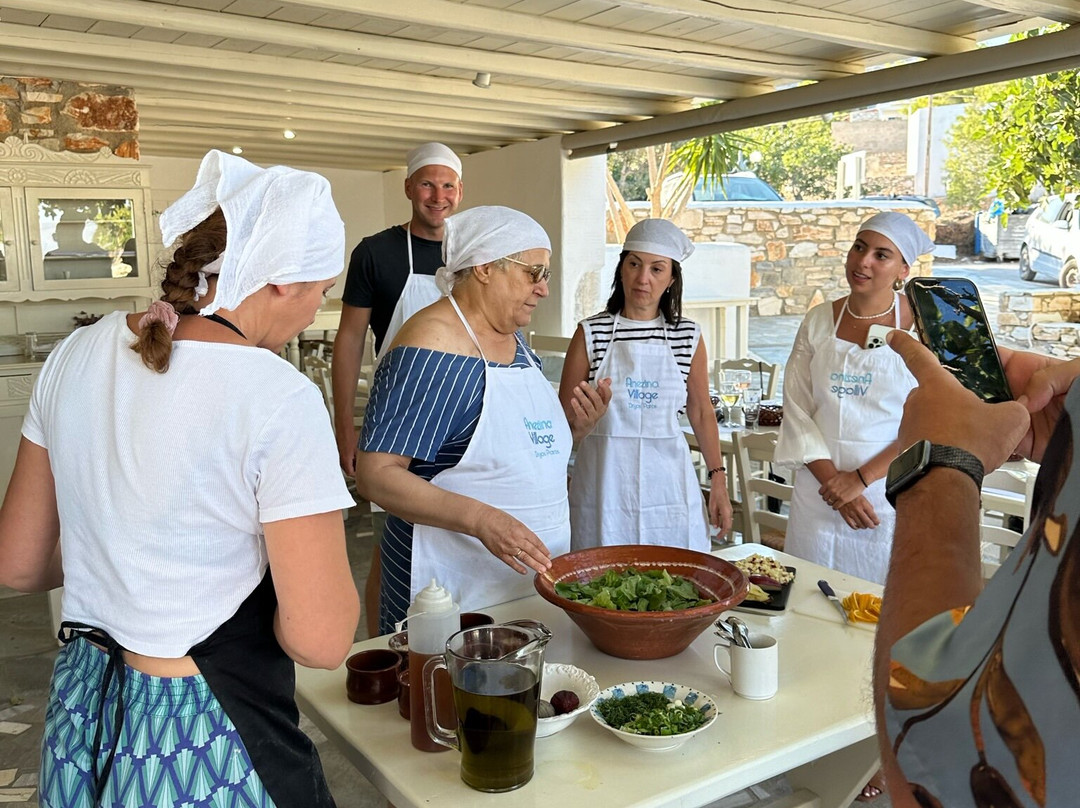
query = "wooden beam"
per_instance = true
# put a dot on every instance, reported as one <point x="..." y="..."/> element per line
<point x="280" y="115"/>
<point x="1027" y="57"/>
<point x="133" y="55"/>
<point x="547" y="30"/>
<point x="1066" y="11"/>
<point x="166" y="79"/>
<point x="332" y="41"/>
<point x="814" y="23"/>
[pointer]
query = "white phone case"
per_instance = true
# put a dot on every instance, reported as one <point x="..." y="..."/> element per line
<point x="875" y="337"/>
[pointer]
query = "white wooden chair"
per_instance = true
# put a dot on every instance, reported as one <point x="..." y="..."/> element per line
<point x="552" y="351"/>
<point x="766" y="374"/>
<point x="1007" y="492"/>
<point x="755" y="488"/>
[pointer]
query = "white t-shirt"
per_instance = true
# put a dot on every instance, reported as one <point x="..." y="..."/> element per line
<point x="163" y="480"/>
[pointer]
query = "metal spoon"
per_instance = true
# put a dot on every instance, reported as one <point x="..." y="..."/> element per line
<point x="740" y="634"/>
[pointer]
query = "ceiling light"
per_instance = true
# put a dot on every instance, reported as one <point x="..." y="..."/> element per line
<point x="288" y="134"/>
<point x="482" y="80"/>
<point x="237" y="150"/>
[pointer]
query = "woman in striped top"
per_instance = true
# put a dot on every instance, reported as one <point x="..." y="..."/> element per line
<point x="633" y="481"/>
<point x="464" y="441"/>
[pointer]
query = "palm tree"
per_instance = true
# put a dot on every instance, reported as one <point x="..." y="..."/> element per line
<point x="710" y="157"/>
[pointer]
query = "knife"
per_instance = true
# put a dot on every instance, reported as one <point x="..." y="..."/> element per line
<point x="828" y="592"/>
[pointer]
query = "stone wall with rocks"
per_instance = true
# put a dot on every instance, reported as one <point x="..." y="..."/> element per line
<point x="69" y="115"/>
<point x="797" y="248"/>
<point x="1048" y="321"/>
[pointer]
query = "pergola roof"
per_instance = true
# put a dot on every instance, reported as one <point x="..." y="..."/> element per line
<point x="361" y="81"/>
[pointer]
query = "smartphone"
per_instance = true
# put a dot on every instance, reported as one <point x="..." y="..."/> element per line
<point x="951" y="322"/>
<point x="875" y="337"/>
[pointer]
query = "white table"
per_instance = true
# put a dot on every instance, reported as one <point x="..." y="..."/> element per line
<point x="818" y="729"/>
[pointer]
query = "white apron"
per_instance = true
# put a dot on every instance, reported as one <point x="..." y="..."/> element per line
<point x="633" y="480"/>
<point x="516" y="462"/>
<point x="420" y="291"/>
<point x="859" y="397"/>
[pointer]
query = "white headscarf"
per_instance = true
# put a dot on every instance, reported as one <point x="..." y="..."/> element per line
<point x="432" y="154"/>
<point x="659" y="237"/>
<point x="282" y="225"/>
<point x="908" y="237"/>
<point x="480" y="235"/>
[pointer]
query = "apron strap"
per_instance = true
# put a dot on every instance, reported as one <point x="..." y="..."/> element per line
<point x="69" y="632"/>
<point x="614" y="328"/>
<point x="408" y="244"/>
<point x="517" y="335"/>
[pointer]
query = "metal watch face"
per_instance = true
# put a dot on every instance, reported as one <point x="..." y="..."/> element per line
<point x="908" y="466"/>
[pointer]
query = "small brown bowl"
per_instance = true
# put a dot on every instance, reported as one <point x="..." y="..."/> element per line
<point x="372" y="676"/>
<point x="403" y="694"/>
<point x="644" y="635"/>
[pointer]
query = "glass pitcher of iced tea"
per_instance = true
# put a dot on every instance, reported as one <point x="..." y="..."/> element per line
<point x="495" y="672"/>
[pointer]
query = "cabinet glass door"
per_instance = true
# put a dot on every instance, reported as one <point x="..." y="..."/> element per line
<point x="9" y="260"/>
<point x="87" y="238"/>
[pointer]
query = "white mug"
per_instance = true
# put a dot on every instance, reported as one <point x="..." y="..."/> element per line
<point x="754" y="671"/>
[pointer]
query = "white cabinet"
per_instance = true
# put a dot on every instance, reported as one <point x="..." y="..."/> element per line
<point x="72" y="225"/>
<point x="16" y="382"/>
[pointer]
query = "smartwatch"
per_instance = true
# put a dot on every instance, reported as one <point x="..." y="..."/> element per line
<point x="912" y="463"/>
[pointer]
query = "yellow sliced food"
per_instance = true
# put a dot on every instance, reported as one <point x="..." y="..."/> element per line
<point x="758" y="594"/>
<point x="862" y="607"/>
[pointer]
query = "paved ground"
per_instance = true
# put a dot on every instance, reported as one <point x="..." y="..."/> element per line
<point x="27" y="649"/>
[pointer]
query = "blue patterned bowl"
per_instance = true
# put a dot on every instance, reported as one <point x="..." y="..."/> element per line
<point x="656" y="743"/>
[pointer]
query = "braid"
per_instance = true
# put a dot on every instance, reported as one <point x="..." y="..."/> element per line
<point x="198" y="247"/>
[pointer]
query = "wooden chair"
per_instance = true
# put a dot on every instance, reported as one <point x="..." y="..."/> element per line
<point x="767" y="375"/>
<point x="552" y="351"/>
<point x="755" y="488"/>
<point x="1007" y="492"/>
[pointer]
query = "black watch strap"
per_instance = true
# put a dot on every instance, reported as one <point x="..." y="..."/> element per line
<point x="960" y="459"/>
<point x="914" y="462"/>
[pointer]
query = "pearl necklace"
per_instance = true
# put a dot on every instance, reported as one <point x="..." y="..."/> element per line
<point x="873" y="316"/>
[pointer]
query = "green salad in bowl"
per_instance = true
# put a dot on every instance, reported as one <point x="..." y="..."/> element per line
<point x="653" y="715"/>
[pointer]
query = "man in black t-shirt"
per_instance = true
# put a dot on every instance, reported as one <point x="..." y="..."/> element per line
<point x="391" y="276"/>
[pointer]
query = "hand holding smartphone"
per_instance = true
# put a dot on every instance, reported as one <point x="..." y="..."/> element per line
<point x="951" y="322"/>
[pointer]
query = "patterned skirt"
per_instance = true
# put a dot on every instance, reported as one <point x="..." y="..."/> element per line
<point x="176" y="747"/>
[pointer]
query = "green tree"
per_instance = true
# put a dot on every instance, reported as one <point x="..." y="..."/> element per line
<point x="1015" y="134"/>
<point x="798" y="158"/>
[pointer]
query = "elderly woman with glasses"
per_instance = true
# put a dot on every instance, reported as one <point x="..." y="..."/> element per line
<point x="464" y="441"/>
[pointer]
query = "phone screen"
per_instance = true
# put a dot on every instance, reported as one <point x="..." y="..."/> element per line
<point x="952" y="323"/>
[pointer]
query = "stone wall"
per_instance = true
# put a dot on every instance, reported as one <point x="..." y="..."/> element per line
<point x="797" y="248"/>
<point x="1048" y="321"/>
<point x="69" y="115"/>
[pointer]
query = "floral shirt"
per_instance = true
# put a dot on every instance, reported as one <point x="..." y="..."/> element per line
<point x="984" y="703"/>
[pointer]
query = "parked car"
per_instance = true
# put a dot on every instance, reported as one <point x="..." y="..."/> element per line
<point x="1052" y="241"/>
<point x="742" y="186"/>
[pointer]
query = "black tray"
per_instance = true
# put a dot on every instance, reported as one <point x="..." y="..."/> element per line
<point x="778" y="600"/>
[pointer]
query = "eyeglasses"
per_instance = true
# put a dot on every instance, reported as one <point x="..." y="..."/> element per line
<point x="538" y="272"/>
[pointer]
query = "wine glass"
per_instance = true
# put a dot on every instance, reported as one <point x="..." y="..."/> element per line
<point x="751" y="406"/>
<point x="742" y="378"/>
<point x="729" y="396"/>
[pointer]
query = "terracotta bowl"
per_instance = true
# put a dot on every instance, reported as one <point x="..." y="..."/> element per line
<point x="644" y="635"/>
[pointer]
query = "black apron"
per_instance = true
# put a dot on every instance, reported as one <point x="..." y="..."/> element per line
<point x="255" y="681"/>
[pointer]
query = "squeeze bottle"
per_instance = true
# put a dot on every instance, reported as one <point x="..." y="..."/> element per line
<point x="431" y="619"/>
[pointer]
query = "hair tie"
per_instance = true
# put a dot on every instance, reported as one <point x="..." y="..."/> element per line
<point x="160" y="312"/>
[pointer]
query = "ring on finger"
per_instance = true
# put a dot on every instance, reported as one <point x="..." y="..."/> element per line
<point x="517" y="555"/>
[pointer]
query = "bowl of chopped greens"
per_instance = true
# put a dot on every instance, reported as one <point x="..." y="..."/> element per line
<point x="642" y="601"/>
<point x="653" y="715"/>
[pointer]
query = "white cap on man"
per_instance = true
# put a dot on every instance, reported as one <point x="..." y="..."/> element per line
<point x="432" y="154"/>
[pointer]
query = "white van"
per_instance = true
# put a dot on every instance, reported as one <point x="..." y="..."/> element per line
<point x="1052" y="241"/>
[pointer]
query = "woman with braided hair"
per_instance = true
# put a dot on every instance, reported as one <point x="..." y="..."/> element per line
<point x="190" y="504"/>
